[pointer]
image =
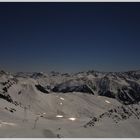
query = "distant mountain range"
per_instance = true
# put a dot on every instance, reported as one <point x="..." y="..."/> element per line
<point x="123" y="86"/>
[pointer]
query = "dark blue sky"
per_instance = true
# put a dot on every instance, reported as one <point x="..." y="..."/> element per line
<point x="69" y="37"/>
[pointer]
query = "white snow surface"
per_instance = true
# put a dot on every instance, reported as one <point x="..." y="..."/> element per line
<point x="40" y="115"/>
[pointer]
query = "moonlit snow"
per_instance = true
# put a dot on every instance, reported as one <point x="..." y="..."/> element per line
<point x="59" y="116"/>
<point x="43" y="105"/>
<point x="107" y="101"/>
<point x="72" y="119"/>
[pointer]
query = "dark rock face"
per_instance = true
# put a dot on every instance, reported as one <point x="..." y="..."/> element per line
<point x="126" y="94"/>
<point x="5" y="89"/>
<point x="6" y="85"/>
<point x="107" y="94"/>
<point x="81" y="88"/>
<point x="104" y="86"/>
<point x="118" y="114"/>
<point x="37" y="75"/>
<point x="40" y="88"/>
<point x="129" y="95"/>
<point x="123" y="97"/>
<point x="6" y="97"/>
<point x="12" y="110"/>
<point x="2" y="72"/>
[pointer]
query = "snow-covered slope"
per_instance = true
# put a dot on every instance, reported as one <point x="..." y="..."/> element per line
<point x="84" y="104"/>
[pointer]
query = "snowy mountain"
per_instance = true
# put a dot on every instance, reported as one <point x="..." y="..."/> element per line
<point x="62" y="104"/>
<point x="124" y="86"/>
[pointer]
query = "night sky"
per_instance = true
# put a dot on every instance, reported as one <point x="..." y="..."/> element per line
<point x="69" y="37"/>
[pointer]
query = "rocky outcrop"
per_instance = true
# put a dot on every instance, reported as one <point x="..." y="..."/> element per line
<point x="118" y="114"/>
